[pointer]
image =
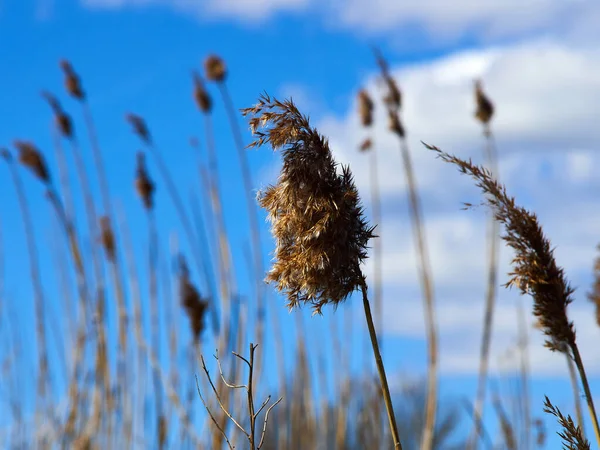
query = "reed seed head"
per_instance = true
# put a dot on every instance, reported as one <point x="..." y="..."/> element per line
<point x="63" y="122"/>
<point x="485" y="108"/>
<point x="107" y="238"/>
<point x="393" y="97"/>
<point x="139" y="127"/>
<point x="365" y="108"/>
<point x="201" y="95"/>
<point x="395" y="124"/>
<point x="317" y="220"/>
<point x="366" y="145"/>
<point x="215" y="68"/>
<point x="191" y="300"/>
<point x="594" y="296"/>
<point x="143" y="184"/>
<point x="72" y="82"/>
<point x="30" y="157"/>
<point x="535" y="271"/>
<point x="571" y="434"/>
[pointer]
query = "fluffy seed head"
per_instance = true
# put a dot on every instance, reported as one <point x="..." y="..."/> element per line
<point x="72" y="82"/>
<point x="317" y="220"/>
<point x="535" y="271"/>
<point x="365" y="108"/>
<point x="215" y="68"/>
<point x="143" y="182"/>
<point x="30" y="157"/>
<point x="485" y="108"/>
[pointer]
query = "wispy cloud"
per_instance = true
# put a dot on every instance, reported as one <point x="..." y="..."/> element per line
<point x="483" y="21"/>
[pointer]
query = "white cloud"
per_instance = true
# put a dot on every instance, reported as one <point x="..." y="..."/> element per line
<point x="490" y="19"/>
<point x="546" y="96"/>
<point x="437" y="19"/>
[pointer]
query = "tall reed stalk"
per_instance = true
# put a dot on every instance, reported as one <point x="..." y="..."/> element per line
<point x="393" y="102"/>
<point x="484" y="114"/>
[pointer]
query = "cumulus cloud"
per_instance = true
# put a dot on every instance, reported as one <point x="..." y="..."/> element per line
<point x="546" y="97"/>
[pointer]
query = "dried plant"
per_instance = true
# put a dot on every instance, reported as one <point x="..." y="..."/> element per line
<point x="508" y="432"/>
<point x="316" y="216"/>
<point x="143" y="184"/>
<point x="139" y="127"/>
<point x="201" y="97"/>
<point x="535" y="271"/>
<point x="572" y="436"/>
<point x="365" y="108"/>
<point x="63" y="121"/>
<point x="195" y="306"/>
<point x="215" y="68"/>
<point x="253" y="413"/>
<point x="107" y="238"/>
<point x="393" y="101"/>
<point x="485" y="109"/>
<point x="317" y="220"/>
<point x="31" y="157"/>
<point x="594" y="295"/>
<point x="72" y="83"/>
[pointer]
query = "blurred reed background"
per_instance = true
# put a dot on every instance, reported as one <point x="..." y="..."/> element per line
<point x="143" y="337"/>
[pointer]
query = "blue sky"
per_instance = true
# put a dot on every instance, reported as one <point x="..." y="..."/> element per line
<point x="540" y="65"/>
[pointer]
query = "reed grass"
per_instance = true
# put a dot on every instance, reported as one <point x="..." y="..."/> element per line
<point x="132" y="383"/>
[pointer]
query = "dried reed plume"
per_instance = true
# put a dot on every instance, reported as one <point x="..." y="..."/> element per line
<point x="195" y="306"/>
<point x="535" y="271"/>
<point x="201" y="97"/>
<point x="30" y="157"/>
<point x="365" y="108"/>
<point x="63" y="121"/>
<point x="143" y="184"/>
<point x="317" y="220"/>
<point x="72" y="83"/>
<point x="572" y="435"/>
<point x="316" y="216"/>
<point x="107" y="238"/>
<point x="215" y="68"/>
<point x="594" y="296"/>
<point x="485" y="108"/>
<point x="139" y="127"/>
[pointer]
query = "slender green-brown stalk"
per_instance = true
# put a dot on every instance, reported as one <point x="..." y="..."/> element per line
<point x="380" y="369"/>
